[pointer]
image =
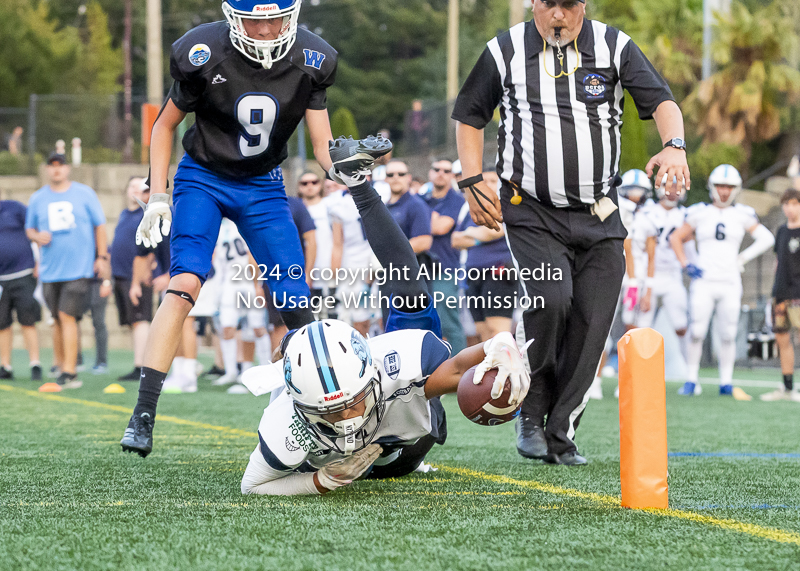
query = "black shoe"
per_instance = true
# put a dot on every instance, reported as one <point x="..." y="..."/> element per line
<point x="54" y="372"/>
<point x="214" y="372"/>
<point x="69" y="381"/>
<point x="132" y="376"/>
<point x="531" y="442"/>
<point x="139" y="435"/>
<point x="351" y="157"/>
<point x="566" y="459"/>
<point x="6" y="374"/>
<point x="36" y="373"/>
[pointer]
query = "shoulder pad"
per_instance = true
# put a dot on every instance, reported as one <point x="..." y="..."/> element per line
<point x="313" y="55"/>
<point x="288" y="443"/>
<point x="744" y="209"/>
<point x="199" y="48"/>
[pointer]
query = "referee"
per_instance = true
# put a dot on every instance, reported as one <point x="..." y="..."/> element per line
<point x="558" y="80"/>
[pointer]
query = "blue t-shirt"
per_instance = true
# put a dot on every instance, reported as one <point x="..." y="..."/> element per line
<point x="450" y="206"/>
<point x="487" y="254"/>
<point x="412" y="215"/>
<point x="70" y="217"/>
<point x="123" y="248"/>
<point x="16" y="255"/>
<point x="302" y="219"/>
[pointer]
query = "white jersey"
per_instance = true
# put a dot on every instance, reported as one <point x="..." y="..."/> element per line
<point x="656" y="221"/>
<point x="627" y="210"/>
<point x="231" y="257"/>
<point x="405" y="359"/>
<point x="322" y="220"/>
<point x="719" y="233"/>
<point x="356" y="253"/>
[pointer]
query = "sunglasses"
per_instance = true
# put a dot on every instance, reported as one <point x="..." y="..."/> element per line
<point x="307" y="182"/>
<point x="445" y="171"/>
<point x="394" y="174"/>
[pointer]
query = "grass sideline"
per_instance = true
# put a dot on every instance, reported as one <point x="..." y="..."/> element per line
<point x="70" y="499"/>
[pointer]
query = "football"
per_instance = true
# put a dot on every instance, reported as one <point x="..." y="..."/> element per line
<point x="476" y="401"/>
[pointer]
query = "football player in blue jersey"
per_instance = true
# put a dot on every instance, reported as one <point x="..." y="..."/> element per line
<point x="249" y="80"/>
<point x="346" y="407"/>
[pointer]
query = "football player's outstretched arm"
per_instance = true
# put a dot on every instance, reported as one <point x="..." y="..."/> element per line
<point x="319" y="128"/>
<point x="161" y="146"/>
<point x="445" y="378"/>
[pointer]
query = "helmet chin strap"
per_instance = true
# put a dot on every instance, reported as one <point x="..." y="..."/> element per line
<point x="348" y="428"/>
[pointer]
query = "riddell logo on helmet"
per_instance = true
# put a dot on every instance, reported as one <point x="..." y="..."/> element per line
<point x="335" y="396"/>
<point x="265" y="8"/>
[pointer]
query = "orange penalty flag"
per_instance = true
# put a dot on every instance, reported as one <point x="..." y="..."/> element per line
<point x="642" y="420"/>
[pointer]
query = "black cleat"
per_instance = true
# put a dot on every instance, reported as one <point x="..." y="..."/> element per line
<point x="566" y="459"/>
<point x="132" y="376"/>
<point x="531" y="442"/>
<point x="139" y="435"/>
<point x="351" y="157"/>
<point x="69" y="381"/>
<point x="6" y="374"/>
<point x="212" y="372"/>
<point x="36" y="373"/>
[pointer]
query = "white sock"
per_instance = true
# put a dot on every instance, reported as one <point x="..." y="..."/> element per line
<point x="727" y="358"/>
<point x="228" y="347"/>
<point x="177" y="366"/>
<point x="190" y="369"/>
<point x="264" y="350"/>
<point x="247" y="365"/>
<point x="694" y="352"/>
<point x="683" y="345"/>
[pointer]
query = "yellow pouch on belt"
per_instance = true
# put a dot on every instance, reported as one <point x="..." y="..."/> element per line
<point x="603" y="208"/>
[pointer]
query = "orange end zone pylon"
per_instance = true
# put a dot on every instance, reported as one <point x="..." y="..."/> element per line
<point x="642" y="420"/>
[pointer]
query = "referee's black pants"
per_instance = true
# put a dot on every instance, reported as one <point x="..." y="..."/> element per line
<point x="570" y="330"/>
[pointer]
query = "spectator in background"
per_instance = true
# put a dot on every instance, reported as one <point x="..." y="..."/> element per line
<point x="446" y="203"/>
<point x="15" y="141"/>
<point x="409" y="211"/>
<point x="66" y="220"/>
<point x="311" y="191"/>
<point x="17" y="284"/>
<point x="487" y="248"/>
<point x="786" y="294"/>
<point x="123" y="254"/>
<point x="98" y="301"/>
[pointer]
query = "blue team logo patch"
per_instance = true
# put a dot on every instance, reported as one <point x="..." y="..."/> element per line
<point x="287" y="375"/>
<point x="314" y="59"/>
<point x="199" y="54"/>
<point x="594" y="85"/>
<point x="391" y="364"/>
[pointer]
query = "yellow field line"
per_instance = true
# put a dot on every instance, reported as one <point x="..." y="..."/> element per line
<point x="772" y="534"/>
<point x="125" y="410"/>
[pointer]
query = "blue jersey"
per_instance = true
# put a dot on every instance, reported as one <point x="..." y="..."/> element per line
<point x="488" y="254"/>
<point x="70" y="217"/>
<point x="16" y="256"/>
<point x="123" y="248"/>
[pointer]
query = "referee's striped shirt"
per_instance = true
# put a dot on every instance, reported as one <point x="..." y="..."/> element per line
<point x="559" y="136"/>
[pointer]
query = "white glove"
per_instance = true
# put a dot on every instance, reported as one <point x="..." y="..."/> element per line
<point x="356" y="179"/>
<point x="156" y="213"/>
<point x="502" y="352"/>
<point x="347" y="470"/>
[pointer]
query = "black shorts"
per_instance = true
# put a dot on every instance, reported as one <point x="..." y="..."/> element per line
<point x="72" y="298"/>
<point x="273" y="314"/>
<point x="129" y="313"/>
<point x="17" y="296"/>
<point x="498" y="294"/>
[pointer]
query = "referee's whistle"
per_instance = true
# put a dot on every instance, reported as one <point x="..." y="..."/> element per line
<point x="516" y="199"/>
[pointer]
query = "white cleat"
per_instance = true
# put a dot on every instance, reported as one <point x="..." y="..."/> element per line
<point x="596" y="390"/>
<point x="224" y="380"/>
<point x="781" y="394"/>
<point x="238" y="389"/>
<point x="177" y="385"/>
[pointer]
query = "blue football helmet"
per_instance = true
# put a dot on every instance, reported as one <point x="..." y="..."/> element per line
<point x="265" y="52"/>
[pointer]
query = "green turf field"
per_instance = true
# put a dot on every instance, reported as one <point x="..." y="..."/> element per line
<point x="69" y="499"/>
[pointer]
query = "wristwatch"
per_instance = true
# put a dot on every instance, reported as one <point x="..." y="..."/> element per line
<point x="676" y="143"/>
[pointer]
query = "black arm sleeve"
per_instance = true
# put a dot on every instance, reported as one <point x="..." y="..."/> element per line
<point x="481" y="93"/>
<point x="643" y="82"/>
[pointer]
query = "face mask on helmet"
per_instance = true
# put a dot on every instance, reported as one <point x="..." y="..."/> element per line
<point x="724" y="175"/>
<point x="635" y="186"/>
<point x="334" y="383"/>
<point x="663" y="198"/>
<point x="265" y="52"/>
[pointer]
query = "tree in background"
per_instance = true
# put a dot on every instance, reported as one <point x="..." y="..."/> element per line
<point x="744" y="101"/>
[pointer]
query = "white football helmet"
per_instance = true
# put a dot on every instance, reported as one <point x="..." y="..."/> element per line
<point x="636" y="186"/>
<point x="265" y="52"/>
<point x="725" y="175"/>
<point x="328" y="368"/>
